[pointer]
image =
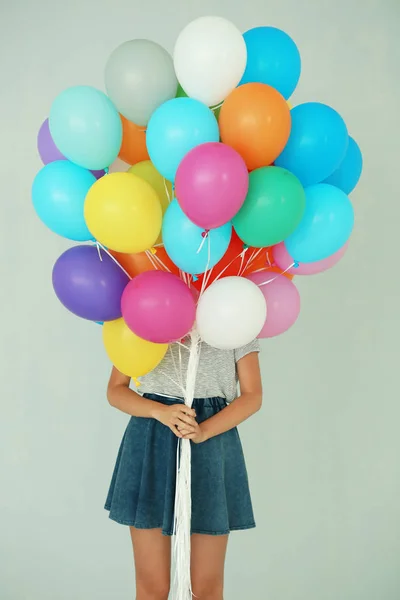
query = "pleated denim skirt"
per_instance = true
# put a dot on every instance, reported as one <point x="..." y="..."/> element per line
<point x="142" y="490"/>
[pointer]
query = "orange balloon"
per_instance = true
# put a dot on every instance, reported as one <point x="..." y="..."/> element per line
<point x="255" y="120"/>
<point x="133" y="148"/>
<point x="134" y="264"/>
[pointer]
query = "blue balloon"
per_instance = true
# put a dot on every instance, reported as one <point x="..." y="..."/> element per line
<point x="86" y="127"/>
<point x="174" y="129"/>
<point x="272" y="58"/>
<point x="58" y="195"/>
<point x="182" y="240"/>
<point x="325" y="227"/>
<point x="348" y="174"/>
<point x="317" y="143"/>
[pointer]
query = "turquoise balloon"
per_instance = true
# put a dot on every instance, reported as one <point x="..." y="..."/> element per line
<point x="272" y="58"/>
<point x="325" y="227"/>
<point x="348" y="174"/>
<point x="317" y="143"/>
<point x="58" y="195"/>
<point x="86" y="127"/>
<point x="182" y="240"/>
<point x="174" y="129"/>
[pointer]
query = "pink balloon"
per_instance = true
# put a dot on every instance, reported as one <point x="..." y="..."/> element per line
<point x="158" y="307"/>
<point x="283" y="260"/>
<point x="283" y="302"/>
<point x="211" y="184"/>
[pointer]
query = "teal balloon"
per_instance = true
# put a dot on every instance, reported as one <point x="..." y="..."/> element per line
<point x="272" y="58"/>
<point x="185" y="244"/>
<point x="58" y="195"/>
<point x="174" y="129"/>
<point x="86" y="127"/>
<point x="325" y="227"/>
<point x="348" y="174"/>
<point x="273" y="207"/>
<point x="317" y="143"/>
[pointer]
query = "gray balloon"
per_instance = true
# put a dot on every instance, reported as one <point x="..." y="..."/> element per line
<point x="139" y="77"/>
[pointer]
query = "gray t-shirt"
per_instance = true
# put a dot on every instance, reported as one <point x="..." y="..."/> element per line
<point x="216" y="374"/>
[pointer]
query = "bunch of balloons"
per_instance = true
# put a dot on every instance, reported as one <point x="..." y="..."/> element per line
<point x="230" y="192"/>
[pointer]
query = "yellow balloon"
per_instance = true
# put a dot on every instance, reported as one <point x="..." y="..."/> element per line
<point x="147" y="171"/>
<point x="129" y="353"/>
<point x="123" y="212"/>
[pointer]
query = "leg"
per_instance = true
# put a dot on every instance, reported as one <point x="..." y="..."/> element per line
<point x="208" y="560"/>
<point x="152" y="554"/>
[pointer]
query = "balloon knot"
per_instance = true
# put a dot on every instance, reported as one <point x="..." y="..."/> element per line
<point x="245" y="246"/>
<point x="296" y="265"/>
<point x="136" y="381"/>
<point x="205" y="233"/>
<point x="153" y="250"/>
<point x="106" y="170"/>
<point x="195" y="278"/>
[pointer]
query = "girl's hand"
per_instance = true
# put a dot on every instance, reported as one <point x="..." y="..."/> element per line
<point x="197" y="436"/>
<point x="178" y="417"/>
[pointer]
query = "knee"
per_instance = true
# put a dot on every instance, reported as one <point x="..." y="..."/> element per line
<point x="152" y="588"/>
<point x="207" y="589"/>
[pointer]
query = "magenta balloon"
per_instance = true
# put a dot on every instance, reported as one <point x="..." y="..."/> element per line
<point x="158" y="307"/>
<point x="211" y="184"/>
<point x="49" y="152"/>
<point x="283" y="302"/>
<point x="283" y="260"/>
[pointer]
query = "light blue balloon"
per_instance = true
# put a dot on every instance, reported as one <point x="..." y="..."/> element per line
<point x="317" y="143"/>
<point x="325" y="227"/>
<point x="174" y="129"/>
<point x="182" y="240"/>
<point x="58" y="195"/>
<point x="272" y="58"/>
<point x="348" y="174"/>
<point x="86" y="127"/>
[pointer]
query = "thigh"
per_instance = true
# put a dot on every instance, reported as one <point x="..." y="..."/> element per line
<point x="207" y="565"/>
<point x="152" y="555"/>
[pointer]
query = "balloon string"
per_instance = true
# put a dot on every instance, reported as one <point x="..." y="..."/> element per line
<point x="170" y="198"/>
<point x="243" y="252"/>
<point x="203" y="241"/>
<point x="217" y="106"/>
<point x="277" y="275"/>
<point x="151" y="258"/>
<point x="205" y="280"/>
<point x="160" y="262"/>
<point x="252" y="258"/>
<point x="98" y="245"/>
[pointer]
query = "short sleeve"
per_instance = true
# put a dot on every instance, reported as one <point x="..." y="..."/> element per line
<point x="254" y="346"/>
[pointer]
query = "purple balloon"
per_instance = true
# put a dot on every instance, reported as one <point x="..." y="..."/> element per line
<point x="88" y="286"/>
<point x="49" y="152"/>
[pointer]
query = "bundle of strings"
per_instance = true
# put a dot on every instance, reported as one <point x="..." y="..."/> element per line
<point x="182" y="589"/>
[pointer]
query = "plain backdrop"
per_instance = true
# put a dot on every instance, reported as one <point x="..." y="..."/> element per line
<point x="323" y="455"/>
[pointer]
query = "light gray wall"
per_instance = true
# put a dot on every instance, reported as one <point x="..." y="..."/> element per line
<point x="323" y="456"/>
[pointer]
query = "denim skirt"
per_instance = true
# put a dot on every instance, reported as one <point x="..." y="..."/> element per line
<point x="142" y="490"/>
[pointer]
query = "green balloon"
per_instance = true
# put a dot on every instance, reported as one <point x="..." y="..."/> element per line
<point x="182" y="94"/>
<point x="273" y="207"/>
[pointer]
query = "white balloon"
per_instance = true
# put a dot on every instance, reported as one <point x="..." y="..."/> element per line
<point x="210" y="58"/>
<point x="231" y="313"/>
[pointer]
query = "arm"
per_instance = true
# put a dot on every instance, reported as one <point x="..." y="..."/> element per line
<point x="248" y="403"/>
<point x="122" y="397"/>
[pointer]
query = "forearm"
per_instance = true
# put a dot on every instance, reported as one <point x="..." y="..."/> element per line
<point x="235" y="413"/>
<point x="131" y="403"/>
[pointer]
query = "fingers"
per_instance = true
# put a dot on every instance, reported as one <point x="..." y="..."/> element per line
<point x="175" y="431"/>
<point x="187" y="411"/>
<point x="182" y="425"/>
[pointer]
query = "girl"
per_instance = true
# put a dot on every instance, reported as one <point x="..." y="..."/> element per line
<point x="142" y="489"/>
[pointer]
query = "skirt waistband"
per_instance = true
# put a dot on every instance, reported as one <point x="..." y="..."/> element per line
<point x="215" y="402"/>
